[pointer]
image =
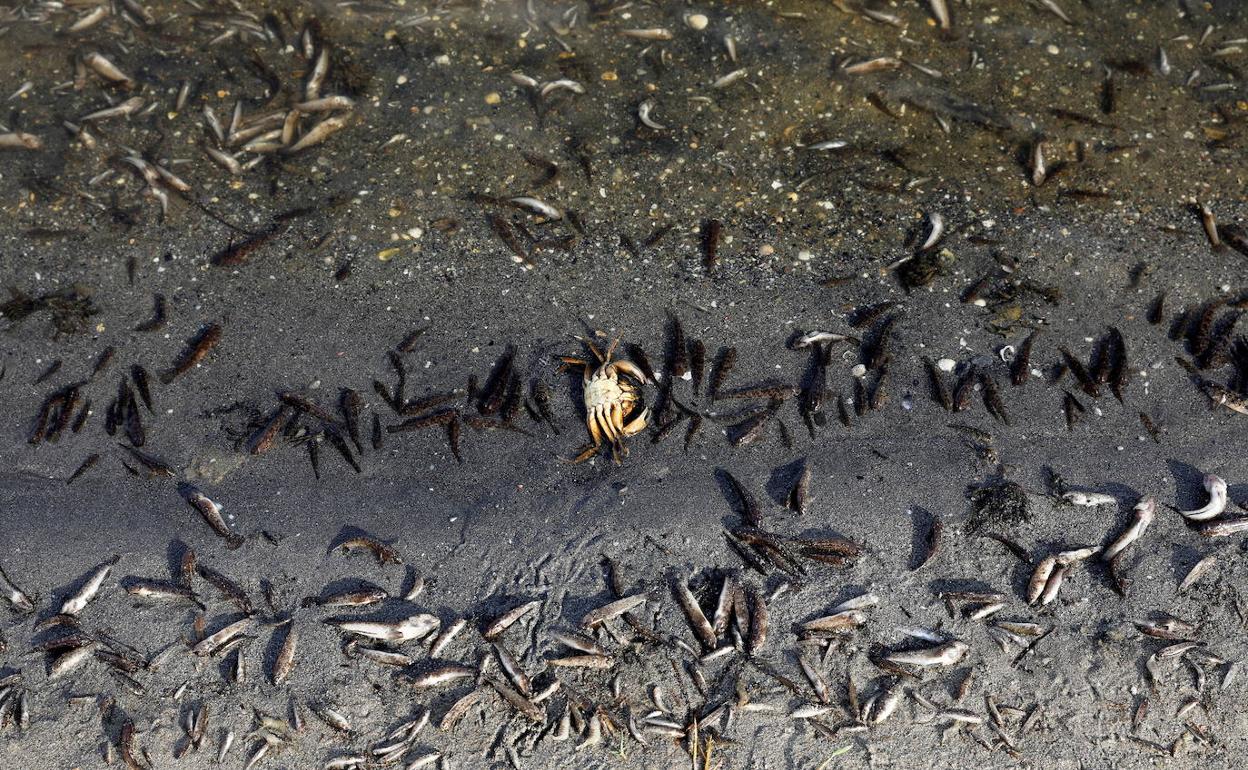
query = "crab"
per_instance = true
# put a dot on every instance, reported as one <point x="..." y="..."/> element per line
<point x="611" y="400"/>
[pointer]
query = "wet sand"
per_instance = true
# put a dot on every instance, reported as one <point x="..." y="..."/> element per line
<point x="515" y="521"/>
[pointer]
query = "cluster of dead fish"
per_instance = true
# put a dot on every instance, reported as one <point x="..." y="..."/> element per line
<point x="280" y="130"/>
<point x="556" y="697"/>
<point x="237" y="144"/>
<point x="1208" y="332"/>
<point x="69" y="407"/>
<point x="494" y="405"/>
<point x="762" y="550"/>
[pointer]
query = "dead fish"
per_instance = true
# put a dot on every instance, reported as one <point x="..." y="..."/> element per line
<point x="412" y="627"/>
<point x="1210" y="223"/>
<point x="612" y="610"/>
<point x="878" y="64"/>
<point x="1197" y="571"/>
<point x="385" y="657"/>
<point x="1040" y="578"/>
<point x="1089" y="499"/>
<point x="263" y="439"/>
<point x="837" y="622"/>
<point x="883" y="704"/>
<point x="211" y="644"/>
<point x="582" y="661"/>
<point x="519" y="702"/>
<point x="1056" y="10"/>
<point x="1076" y="555"/>
<point x="505" y="621"/>
<point x="123" y="109"/>
<point x="319" y="133"/>
<point x="758" y="622"/>
<point x="1225" y="528"/>
<point x="162" y="591"/>
<point x="15" y="596"/>
<point x="538" y="206"/>
<point x="446" y="636"/>
<point x="660" y="34"/>
<point x="106" y="69"/>
<point x="362" y="598"/>
<point x="90" y="587"/>
<point x="1039" y="170"/>
<point x="579" y="643"/>
<point x="19" y="140"/>
<point x="513" y="670"/>
<point x="380" y="551"/>
<point x="644" y="112"/>
<point x="440" y="675"/>
<point x="196" y="350"/>
<point x="1221" y="396"/>
<point x="1020" y="366"/>
<point x="1217" y="501"/>
<point x="1145" y="510"/>
<point x="326" y="104"/>
<point x="744" y="504"/>
<point x="799" y="493"/>
<point x="940" y="390"/>
<point x="70" y="660"/>
<point x="1077" y="368"/>
<point x="702" y="627"/>
<point x="284" y="663"/>
<point x="91" y="18"/>
<point x="331" y="717"/>
<point x="212" y="514"/>
<point x="943" y="655"/>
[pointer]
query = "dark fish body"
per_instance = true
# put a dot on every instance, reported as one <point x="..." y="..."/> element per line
<point x="212" y="514"/>
<point x="351" y="404"/>
<point x="1080" y="373"/>
<point x="697" y="363"/>
<point x="712" y="232"/>
<point x="679" y="362"/>
<point x="940" y="390"/>
<point x="727" y="359"/>
<point x="196" y="350"/>
<point x="1020" y="367"/>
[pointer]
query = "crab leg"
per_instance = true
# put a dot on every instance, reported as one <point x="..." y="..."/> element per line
<point x="591" y="421"/>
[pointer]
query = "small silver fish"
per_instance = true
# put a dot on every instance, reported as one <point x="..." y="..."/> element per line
<point x="412" y="627"/>
<point x="1145" y="510"/>
<point x="210" y="644"/>
<point x="320" y="132"/>
<point x="15" y="596"/>
<point x="128" y="107"/>
<point x="1089" y="499"/>
<point x="106" y="69"/>
<point x="651" y="33"/>
<point x="538" y="206"/>
<point x="943" y="655"/>
<point x="19" y="140"/>
<point x="444" y="674"/>
<point x="76" y="603"/>
<point x="1217" y="501"/>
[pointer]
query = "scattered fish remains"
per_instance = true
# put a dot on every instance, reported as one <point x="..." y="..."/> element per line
<point x="847" y="282"/>
<point x="732" y="644"/>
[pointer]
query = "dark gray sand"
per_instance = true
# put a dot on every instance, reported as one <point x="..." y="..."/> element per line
<point x="317" y="263"/>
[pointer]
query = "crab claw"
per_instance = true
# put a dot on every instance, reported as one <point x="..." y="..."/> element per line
<point x="637" y="424"/>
